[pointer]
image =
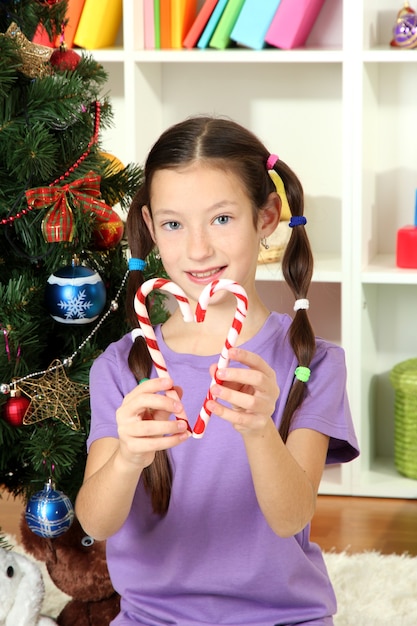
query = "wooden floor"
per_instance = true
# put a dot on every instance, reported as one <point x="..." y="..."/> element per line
<point x="341" y="523"/>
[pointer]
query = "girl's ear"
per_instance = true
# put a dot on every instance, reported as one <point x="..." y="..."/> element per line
<point x="147" y="218"/>
<point x="269" y="215"/>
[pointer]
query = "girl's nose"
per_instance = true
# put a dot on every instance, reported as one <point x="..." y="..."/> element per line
<point x="199" y="245"/>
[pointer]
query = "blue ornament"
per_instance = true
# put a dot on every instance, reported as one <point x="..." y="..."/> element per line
<point x="49" y="513"/>
<point x="75" y="294"/>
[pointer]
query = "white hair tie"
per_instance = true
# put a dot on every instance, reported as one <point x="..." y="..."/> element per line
<point x="302" y="303"/>
<point x="137" y="332"/>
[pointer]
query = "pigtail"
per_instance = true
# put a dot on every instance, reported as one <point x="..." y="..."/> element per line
<point x="157" y="477"/>
<point x="297" y="269"/>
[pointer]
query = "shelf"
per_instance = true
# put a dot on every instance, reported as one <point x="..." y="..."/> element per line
<point x="383" y="480"/>
<point x="239" y="55"/>
<point x="383" y="270"/>
<point x="108" y="55"/>
<point x="384" y="54"/>
<point x="327" y="269"/>
<point x="339" y="112"/>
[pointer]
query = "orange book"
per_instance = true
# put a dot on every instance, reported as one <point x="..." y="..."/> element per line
<point x="74" y="10"/>
<point x="165" y="23"/>
<point x="73" y="14"/>
<point x="183" y="14"/>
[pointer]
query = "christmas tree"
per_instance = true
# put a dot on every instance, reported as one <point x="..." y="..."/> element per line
<point x="63" y="260"/>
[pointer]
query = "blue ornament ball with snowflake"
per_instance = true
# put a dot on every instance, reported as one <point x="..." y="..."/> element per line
<point x="49" y="513"/>
<point x="75" y="294"/>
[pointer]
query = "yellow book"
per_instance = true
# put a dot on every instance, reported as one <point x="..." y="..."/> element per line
<point x="183" y="14"/>
<point x="99" y="24"/>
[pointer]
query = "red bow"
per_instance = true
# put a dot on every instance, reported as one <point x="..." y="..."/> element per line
<point x="58" y="224"/>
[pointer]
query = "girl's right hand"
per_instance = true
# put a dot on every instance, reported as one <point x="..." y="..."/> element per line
<point x="144" y="424"/>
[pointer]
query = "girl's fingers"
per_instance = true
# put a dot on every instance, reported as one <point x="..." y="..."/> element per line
<point x="153" y="396"/>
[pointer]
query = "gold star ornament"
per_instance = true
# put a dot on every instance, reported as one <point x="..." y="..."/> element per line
<point x="53" y="395"/>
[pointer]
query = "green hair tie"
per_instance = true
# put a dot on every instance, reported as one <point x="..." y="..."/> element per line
<point x="302" y="373"/>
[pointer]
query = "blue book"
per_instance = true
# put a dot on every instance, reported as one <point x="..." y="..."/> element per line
<point x="253" y="22"/>
<point x="204" y="40"/>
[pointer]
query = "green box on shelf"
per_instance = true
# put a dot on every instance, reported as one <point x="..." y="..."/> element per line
<point x="404" y="380"/>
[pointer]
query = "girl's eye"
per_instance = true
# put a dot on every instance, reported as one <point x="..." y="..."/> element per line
<point x="222" y="219"/>
<point x="172" y="225"/>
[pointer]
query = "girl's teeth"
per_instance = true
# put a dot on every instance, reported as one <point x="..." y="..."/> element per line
<point x="203" y="274"/>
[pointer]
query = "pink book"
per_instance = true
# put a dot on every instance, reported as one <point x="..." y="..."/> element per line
<point x="292" y="23"/>
<point x="148" y="25"/>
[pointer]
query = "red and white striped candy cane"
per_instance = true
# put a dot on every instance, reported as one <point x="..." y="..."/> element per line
<point x="201" y="309"/>
<point x="145" y="324"/>
<point x="232" y="335"/>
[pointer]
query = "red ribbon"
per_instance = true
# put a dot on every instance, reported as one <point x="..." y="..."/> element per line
<point x="83" y="194"/>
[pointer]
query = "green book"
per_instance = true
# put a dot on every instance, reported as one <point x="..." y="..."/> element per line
<point x="157" y="23"/>
<point x="221" y="36"/>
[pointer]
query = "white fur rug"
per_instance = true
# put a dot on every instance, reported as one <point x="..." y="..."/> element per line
<point x="372" y="589"/>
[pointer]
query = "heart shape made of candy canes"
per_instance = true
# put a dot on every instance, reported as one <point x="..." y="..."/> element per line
<point x="200" y="313"/>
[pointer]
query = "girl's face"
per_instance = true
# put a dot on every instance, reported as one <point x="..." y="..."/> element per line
<point x="202" y="223"/>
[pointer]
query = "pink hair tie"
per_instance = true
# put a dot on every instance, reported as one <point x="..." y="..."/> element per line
<point x="272" y="159"/>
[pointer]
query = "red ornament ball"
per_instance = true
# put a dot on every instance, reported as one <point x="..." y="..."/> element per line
<point x="107" y="235"/>
<point x="65" y="59"/>
<point x="15" y="409"/>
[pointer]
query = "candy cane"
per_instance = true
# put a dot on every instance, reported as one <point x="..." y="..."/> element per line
<point x="232" y="335"/>
<point x="201" y="309"/>
<point x="145" y="324"/>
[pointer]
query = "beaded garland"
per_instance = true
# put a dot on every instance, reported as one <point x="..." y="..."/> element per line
<point x="9" y="220"/>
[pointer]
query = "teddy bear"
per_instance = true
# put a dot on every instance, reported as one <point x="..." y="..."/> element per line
<point x="21" y="591"/>
<point x="77" y="566"/>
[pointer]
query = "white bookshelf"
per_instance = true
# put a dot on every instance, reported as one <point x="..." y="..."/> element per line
<point x="341" y="113"/>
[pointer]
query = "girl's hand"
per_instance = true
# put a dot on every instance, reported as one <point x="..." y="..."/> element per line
<point x="251" y="393"/>
<point x="143" y="422"/>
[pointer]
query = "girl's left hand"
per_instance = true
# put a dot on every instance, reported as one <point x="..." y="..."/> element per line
<point x="251" y="392"/>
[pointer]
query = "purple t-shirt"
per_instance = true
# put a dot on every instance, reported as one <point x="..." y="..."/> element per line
<point x="213" y="558"/>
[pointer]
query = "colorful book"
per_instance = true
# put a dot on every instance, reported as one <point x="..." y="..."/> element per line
<point x="99" y="24"/>
<point x="221" y="36"/>
<point x="157" y="24"/>
<point x="139" y="34"/>
<point x="73" y="14"/>
<point x="148" y="25"/>
<point x="203" y="16"/>
<point x="291" y="25"/>
<point x="183" y="14"/>
<point x="208" y="31"/>
<point x="253" y="22"/>
<point x="165" y="23"/>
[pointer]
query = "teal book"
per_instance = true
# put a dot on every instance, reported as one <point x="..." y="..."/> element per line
<point x="207" y="33"/>
<point x="253" y="22"/>
<point x="221" y="36"/>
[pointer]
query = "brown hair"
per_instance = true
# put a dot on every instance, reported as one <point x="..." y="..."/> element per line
<point x="221" y="143"/>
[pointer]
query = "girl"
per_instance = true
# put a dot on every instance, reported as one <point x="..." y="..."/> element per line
<point x="216" y="530"/>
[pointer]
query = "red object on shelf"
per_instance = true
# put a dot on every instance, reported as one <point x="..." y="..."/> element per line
<point x="407" y="247"/>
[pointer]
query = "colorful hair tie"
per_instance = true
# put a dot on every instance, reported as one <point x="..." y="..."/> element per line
<point x="272" y="159"/>
<point x="280" y="189"/>
<point x="143" y="380"/>
<point x="137" y="332"/>
<point x="302" y="303"/>
<point x="297" y="220"/>
<point x="302" y="373"/>
<point x="136" y="264"/>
